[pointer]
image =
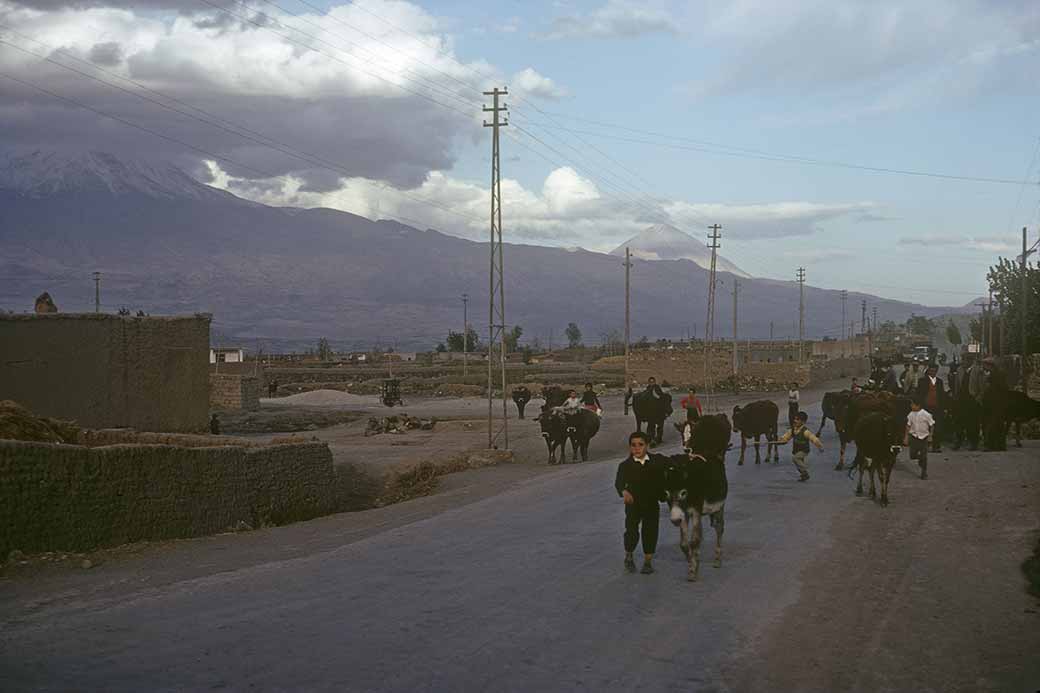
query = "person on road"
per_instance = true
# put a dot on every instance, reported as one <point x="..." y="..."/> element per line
<point x="920" y="426"/>
<point x="855" y="388"/>
<point x="214" y="425"/>
<point x="994" y="406"/>
<point x="628" y="395"/>
<point x="802" y="437"/>
<point x="653" y="388"/>
<point x="640" y="484"/>
<point x="792" y="404"/>
<point x="692" y="405"/>
<point x="590" y="400"/>
<point x="571" y="405"/>
<point x="932" y="395"/>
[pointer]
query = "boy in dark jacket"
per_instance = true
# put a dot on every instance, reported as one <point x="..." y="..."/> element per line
<point x="639" y="484"/>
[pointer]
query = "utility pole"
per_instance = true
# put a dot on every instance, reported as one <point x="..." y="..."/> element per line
<point x="875" y="319"/>
<point x="801" y="313"/>
<point x="628" y="334"/>
<point x="465" y="335"/>
<point x="1024" y="312"/>
<point x="844" y="301"/>
<point x="736" y="291"/>
<point x="709" y="325"/>
<point x="97" y="292"/>
<point x="770" y="331"/>
<point x="989" y="323"/>
<point x="863" y="317"/>
<point x="496" y="313"/>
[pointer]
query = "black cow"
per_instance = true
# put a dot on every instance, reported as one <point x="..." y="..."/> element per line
<point x="877" y="444"/>
<point x="834" y="405"/>
<point x="754" y="421"/>
<point x="554" y="431"/>
<point x="652" y="410"/>
<point x="695" y="485"/>
<point x="521" y="396"/>
<point x="581" y="427"/>
<point x="554" y="396"/>
<point x="896" y="407"/>
<point x="1020" y="409"/>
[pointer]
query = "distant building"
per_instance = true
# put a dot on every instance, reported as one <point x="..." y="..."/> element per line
<point x="226" y="355"/>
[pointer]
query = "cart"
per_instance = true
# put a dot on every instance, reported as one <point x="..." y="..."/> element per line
<point x="390" y="393"/>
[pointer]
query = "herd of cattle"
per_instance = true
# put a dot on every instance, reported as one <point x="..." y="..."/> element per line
<point x="695" y="481"/>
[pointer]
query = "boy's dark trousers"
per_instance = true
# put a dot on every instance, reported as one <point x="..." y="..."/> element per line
<point x="919" y="451"/>
<point x="642" y="518"/>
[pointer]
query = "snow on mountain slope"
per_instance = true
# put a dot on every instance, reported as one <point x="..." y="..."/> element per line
<point x="40" y="174"/>
<point x="663" y="242"/>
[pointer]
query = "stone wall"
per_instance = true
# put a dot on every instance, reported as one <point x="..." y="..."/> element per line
<point x="234" y="392"/>
<point x="148" y="373"/>
<point x="682" y="368"/>
<point x="76" y="497"/>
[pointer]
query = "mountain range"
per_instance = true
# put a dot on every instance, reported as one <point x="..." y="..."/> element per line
<point x="166" y="243"/>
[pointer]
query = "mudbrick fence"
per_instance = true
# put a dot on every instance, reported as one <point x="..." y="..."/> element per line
<point x="234" y="392"/>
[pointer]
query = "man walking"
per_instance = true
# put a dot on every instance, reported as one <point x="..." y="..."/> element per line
<point x="931" y="393"/>
<point x="639" y="482"/>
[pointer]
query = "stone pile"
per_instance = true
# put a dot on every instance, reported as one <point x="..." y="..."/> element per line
<point x="397" y="424"/>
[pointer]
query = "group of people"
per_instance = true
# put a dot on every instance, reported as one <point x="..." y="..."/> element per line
<point x="970" y="407"/>
<point x="588" y="400"/>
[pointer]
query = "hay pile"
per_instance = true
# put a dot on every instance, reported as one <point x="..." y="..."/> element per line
<point x="397" y="424"/>
<point x="18" y="423"/>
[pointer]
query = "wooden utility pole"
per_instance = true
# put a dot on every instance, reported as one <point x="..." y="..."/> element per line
<point x="97" y="292"/>
<point x="844" y="301"/>
<point x="736" y="291"/>
<point x="863" y="318"/>
<point x="465" y="335"/>
<point x="1023" y="313"/>
<point x="801" y="314"/>
<point x="628" y="333"/>
<point x="709" y="325"/>
<point x="496" y="308"/>
<point x="875" y="319"/>
<point x="989" y="324"/>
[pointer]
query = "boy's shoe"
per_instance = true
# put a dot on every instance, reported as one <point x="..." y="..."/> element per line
<point x="648" y="568"/>
<point x="924" y="475"/>
<point x="803" y="477"/>
<point x="630" y="565"/>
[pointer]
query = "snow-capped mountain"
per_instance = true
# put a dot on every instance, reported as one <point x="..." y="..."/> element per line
<point x="664" y="242"/>
<point x="41" y="174"/>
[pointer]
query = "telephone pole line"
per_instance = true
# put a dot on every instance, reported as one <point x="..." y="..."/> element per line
<point x="844" y="301"/>
<point x="709" y="325"/>
<point x="496" y="309"/>
<point x="465" y="335"/>
<point x="97" y="292"/>
<point x="628" y="333"/>
<point x="863" y="317"/>
<point x="875" y="319"/>
<point x="1024" y="311"/>
<point x="736" y="291"/>
<point x="801" y="313"/>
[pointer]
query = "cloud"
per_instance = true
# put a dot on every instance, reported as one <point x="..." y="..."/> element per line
<point x="877" y="57"/>
<point x="615" y="19"/>
<point x="986" y="244"/>
<point x="360" y="106"/>
<point x="568" y="210"/>
<point x="528" y="82"/>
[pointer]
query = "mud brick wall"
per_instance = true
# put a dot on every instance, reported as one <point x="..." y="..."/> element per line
<point x="100" y="370"/>
<point x="834" y="369"/>
<point x="76" y="498"/>
<point x="234" y="392"/>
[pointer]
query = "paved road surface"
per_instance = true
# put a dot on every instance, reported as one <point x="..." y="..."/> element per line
<point x="519" y="587"/>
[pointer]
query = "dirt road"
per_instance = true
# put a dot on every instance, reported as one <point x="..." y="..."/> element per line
<point x="511" y="580"/>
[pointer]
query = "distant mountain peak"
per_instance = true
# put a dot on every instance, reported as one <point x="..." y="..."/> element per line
<point x="666" y="242"/>
<point x="44" y="173"/>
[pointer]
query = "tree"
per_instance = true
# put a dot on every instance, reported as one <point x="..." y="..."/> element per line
<point x="1005" y="280"/>
<point x="513" y="337"/>
<point x="324" y="350"/>
<point x="573" y="333"/>
<point x="441" y="348"/>
<point x="953" y="334"/>
<point x="920" y="325"/>
<point x="455" y="343"/>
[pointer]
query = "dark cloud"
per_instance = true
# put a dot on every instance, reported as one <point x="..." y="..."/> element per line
<point x="106" y="54"/>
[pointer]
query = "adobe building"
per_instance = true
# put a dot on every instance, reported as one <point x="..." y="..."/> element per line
<point x="109" y="371"/>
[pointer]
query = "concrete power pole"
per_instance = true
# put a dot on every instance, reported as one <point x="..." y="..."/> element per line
<point x="875" y="319"/>
<point x="863" y="317"/>
<point x="628" y="325"/>
<point x="1024" y="311"/>
<point x="465" y="335"/>
<point x="496" y="310"/>
<point x="97" y="292"/>
<point x="709" y="325"/>
<point x="844" y="301"/>
<point x="736" y="291"/>
<point x="801" y="314"/>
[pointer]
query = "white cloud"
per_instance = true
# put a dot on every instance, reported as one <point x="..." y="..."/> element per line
<point x="986" y="244"/>
<point x="529" y="82"/>
<point x="615" y="19"/>
<point x="569" y="210"/>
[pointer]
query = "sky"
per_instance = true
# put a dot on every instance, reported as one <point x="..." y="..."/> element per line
<point x="769" y="118"/>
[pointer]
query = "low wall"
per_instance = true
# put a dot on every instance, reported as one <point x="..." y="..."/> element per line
<point x="234" y="392"/>
<point x="835" y="369"/>
<point x="75" y="497"/>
